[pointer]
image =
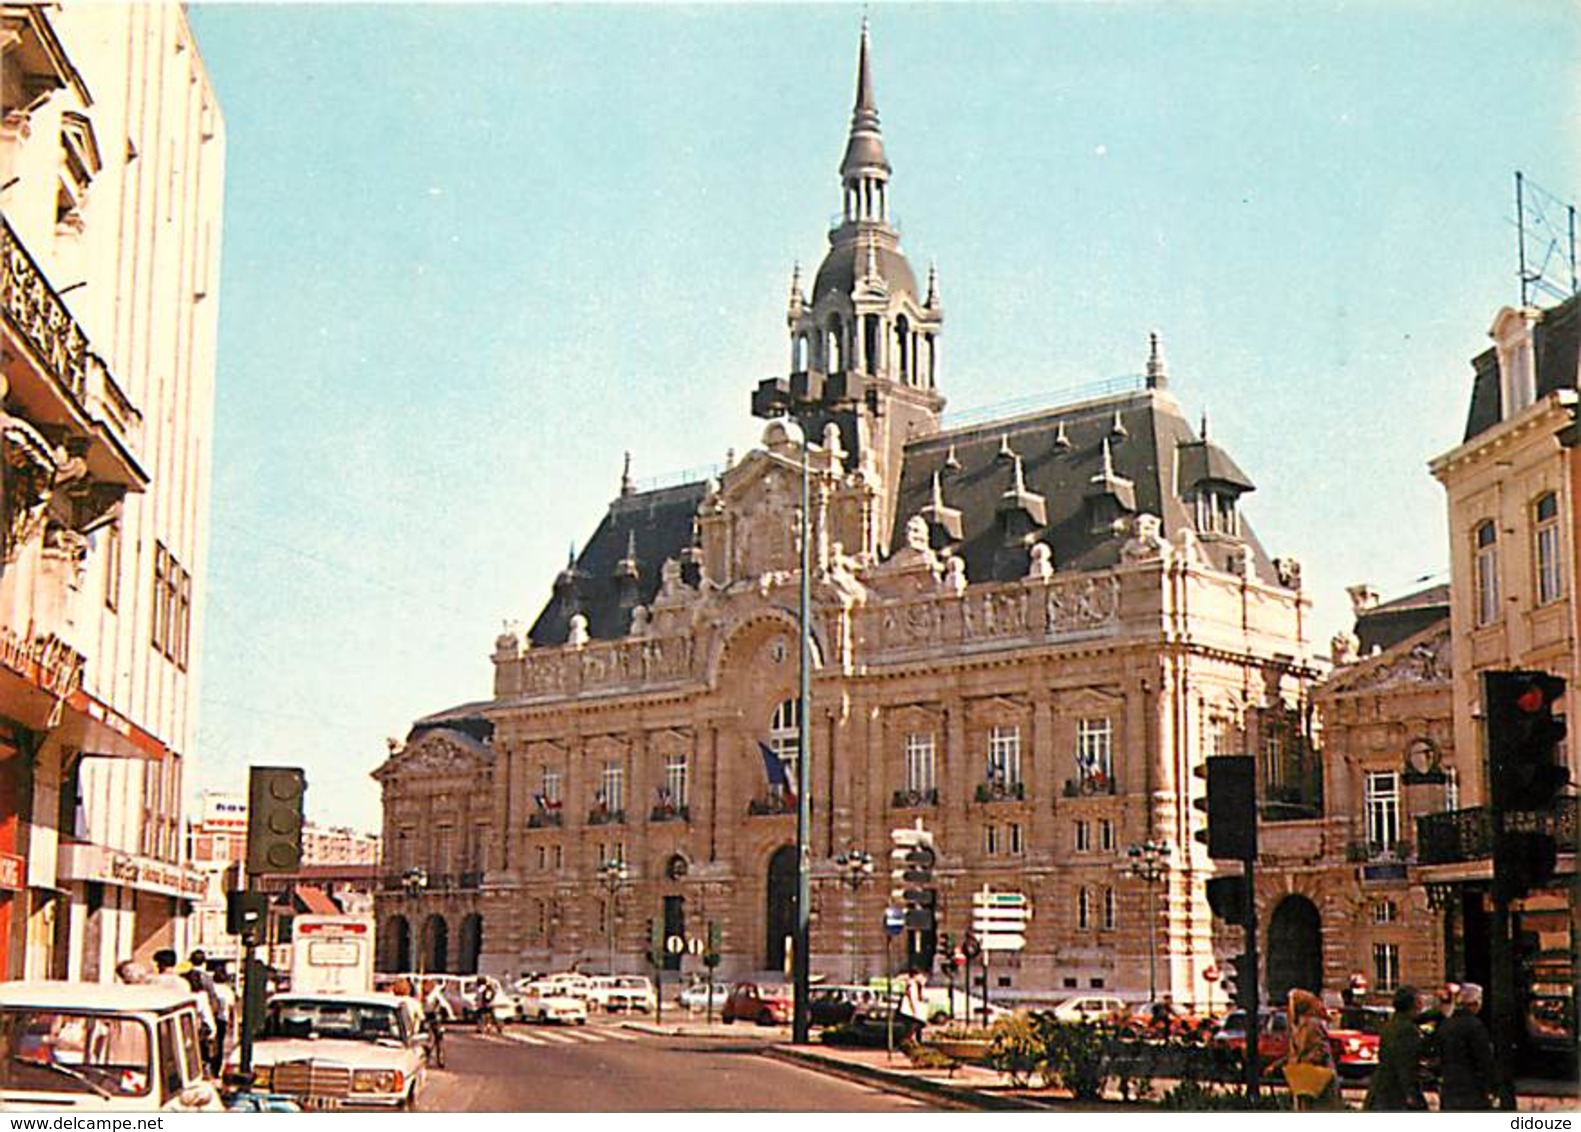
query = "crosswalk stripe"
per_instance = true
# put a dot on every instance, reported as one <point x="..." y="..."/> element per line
<point x="525" y="1039"/>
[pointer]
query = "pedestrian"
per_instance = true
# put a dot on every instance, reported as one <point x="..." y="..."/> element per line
<point x="1309" y="1061"/>
<point x="202" y="981"/>
<point x="1396" y="1084"/>
<point x="486" y="1018"/>
<point x="1465" y="1051"/>
<point x="165" y="968"/>
<point x="131" y="972"/>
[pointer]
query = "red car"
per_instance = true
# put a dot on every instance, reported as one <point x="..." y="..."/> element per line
<point x="1355" y="1051"/>
<point x="767" y="1006"/>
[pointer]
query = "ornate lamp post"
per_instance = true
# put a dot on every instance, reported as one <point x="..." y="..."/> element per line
<point x="1149" y="863"/>
<point x="613" y="874"/>
<point x="415" y="881"/>
<point x="855" y="867"/>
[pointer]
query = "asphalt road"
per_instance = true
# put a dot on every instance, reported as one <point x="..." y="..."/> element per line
<point x="605" y="1068"/>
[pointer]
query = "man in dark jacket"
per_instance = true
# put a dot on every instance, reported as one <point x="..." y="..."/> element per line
<point x="1395" y="1086"/>
<point x="1466" y="1073"/>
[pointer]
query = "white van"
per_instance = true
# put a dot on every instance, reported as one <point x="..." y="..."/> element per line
<point x="97" y="1047"/>
<point x="331" y="953"/>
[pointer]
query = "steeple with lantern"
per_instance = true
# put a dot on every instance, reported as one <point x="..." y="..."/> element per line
<point x="864" y="342"/>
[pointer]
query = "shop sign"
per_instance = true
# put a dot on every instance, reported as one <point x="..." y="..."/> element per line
<point x="12" y="870"/>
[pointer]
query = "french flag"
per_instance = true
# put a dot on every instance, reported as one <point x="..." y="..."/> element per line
<point x="775" y="769"/>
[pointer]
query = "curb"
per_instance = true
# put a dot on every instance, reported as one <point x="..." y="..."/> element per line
<point x="921" y="1088"/>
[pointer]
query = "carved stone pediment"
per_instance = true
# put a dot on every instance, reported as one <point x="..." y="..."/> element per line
<point x="997" y="709"/>
<point x="1088" y="701"/>
<point x="914" y="717"/>
<point x="1419" y="661"/>
<point x="438" y="754"/>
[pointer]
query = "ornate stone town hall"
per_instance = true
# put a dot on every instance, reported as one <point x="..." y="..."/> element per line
<point x="1026" y="634"/>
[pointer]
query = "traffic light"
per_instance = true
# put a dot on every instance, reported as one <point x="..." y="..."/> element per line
<point x="1525" y="727"/>
<point x="912" y="859"/>
<point x="656" y="942"/>
<point x="245" y="912"/>
<point x="1230" y="806"/>
<point x="1240" y="980"/>
<point x="715" y="939"/>
<point x="1227" y="898"/>
<point x="274" y="819"/>
<point x="1523" y="861"/>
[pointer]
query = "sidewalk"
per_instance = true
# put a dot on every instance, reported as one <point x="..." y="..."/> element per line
<point x="977" y="1088"/>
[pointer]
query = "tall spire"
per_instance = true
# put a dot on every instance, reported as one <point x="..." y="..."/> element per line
<point x="864" y="151"/>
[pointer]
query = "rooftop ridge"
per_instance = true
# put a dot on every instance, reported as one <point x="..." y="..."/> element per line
<point x="1115" y="391"/>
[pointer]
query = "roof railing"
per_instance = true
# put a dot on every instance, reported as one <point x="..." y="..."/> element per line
<point x="1053" y="399"/>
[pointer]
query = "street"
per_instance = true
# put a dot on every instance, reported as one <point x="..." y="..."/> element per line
<point x="610" y="1068"/>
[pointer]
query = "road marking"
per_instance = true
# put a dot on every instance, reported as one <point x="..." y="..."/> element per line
<point x="525" y="1039"/>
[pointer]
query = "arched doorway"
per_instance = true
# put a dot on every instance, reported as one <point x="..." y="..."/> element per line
<point x="471" y="944"/>
<point x="397" y="945"/>
<point x="436" y="944"/>
<point x="1295" y="948"/>
<point x="780" y="912"/>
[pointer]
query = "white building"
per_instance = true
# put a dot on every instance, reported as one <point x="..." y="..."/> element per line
<point x="111" y="163"/>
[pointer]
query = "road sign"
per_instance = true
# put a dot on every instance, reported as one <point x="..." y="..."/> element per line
<point x="675" y="944"/>
<point x="989" y="899"/>
<point x="894" y="920"/>
<point x="695" y="945"/>
<point x="1211" y="974"/>
<point x="999" y="942"/>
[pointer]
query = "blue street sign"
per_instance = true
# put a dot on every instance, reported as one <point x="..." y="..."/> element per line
<point x="894" y="920"/>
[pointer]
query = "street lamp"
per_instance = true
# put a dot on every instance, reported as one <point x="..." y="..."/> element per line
<point x="415" y="881"/>
<point x="1149" y="863"/>
<point x="613" y="873"/>
<point x="855" y="867"/>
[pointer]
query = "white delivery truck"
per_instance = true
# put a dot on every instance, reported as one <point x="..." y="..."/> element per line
<point x="331" y="953"/>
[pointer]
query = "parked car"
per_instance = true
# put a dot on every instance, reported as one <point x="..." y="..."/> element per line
<point x="94" y="1047"/>
<point x="1355" y="1051"/>
<point x="695" y="997"/>
<point x="749" y="1002"/>
<point x="336" y="1050"/>
<point x="837" y="1004"/>
<point x="1091" y="1008"/>
<point x="542" y="1003"/>
<point x="634" y="992"/>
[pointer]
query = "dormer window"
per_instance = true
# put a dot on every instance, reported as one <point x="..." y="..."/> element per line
<point x="1217" y="513"/>
<point x="1512" y="336"/>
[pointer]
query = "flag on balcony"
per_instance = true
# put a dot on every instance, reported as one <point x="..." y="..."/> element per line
<point x="775" y="769"/>
<point x="545" y="804"/>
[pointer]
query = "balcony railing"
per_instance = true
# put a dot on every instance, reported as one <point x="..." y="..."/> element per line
<point x="1361" y="852"/>
<point x="31" y="306"/>
<point x="1001" y="792"/>
<point x="1089" y="785"/>
<point x="1296" y="800"/>
<point x="772" y="804"/>
<point x="668" y="812"/>
<point x="546" y="819"/>
<point x="603" y="815"/>
<point x="1467" y="835"/>
<point x="470" y="880"/>
<point x="914" y="799"/>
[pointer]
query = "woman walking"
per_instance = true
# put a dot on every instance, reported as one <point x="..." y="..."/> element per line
<point x="1309" y="1064"/>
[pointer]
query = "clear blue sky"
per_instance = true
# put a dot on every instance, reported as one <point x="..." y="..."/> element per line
<point x="474" y="254"/>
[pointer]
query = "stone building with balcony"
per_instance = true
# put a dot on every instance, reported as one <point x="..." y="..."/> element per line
<point x="1512" y="487"/>
<point x="1026" y="633"/>
<point x="1339" y="893"/>
<point x="111" y="156"/>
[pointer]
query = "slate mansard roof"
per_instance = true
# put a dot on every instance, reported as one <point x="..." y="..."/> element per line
<point x="650" y="527"/>
<point x="1556" y="346"/>
<point x="1150" y="447"/>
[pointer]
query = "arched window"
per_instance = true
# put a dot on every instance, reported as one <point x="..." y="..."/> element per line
<point x="903" y="349"/>
<point x="834" y="344"/>
<point x="1108" y="910"/>
<point x="1083" y="909"/>
<point x="785" y="742"/>
<point x="1550" y="549"/>
<point x="1485" y="540"/>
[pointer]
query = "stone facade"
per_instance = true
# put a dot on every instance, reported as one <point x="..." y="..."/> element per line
<point x="1026" y="634"/>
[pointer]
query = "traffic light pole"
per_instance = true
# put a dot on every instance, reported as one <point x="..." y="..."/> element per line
<point x="1501" y="958"/>
<point x="1253" y="994"/>
<point x="801" y="1021"/>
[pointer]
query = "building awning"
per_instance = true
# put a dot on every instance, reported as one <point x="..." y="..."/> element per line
<point x="41" y="689"/>
<point x="85" y="861"/>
